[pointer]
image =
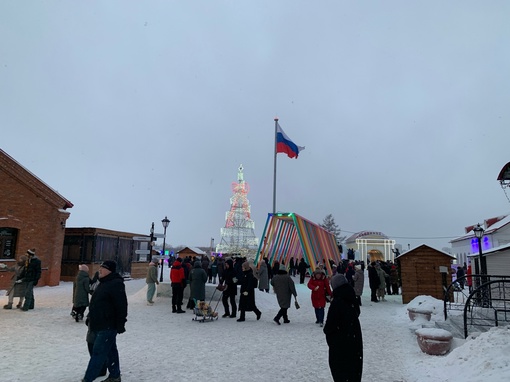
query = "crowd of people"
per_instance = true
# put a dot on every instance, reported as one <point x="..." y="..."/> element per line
<point x="340" y="285"/>
<point x="26" y="275"/>
<point x="237" y="278"/>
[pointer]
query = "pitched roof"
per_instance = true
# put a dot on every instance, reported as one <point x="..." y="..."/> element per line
<point x="358" y="235"/>
<point x="196" y="250"/>
<point x="415" y="249"/>
<point x="29" y="180"/>
<point x="490" y="225"/>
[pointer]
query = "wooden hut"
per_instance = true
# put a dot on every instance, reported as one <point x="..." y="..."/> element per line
<point x="191" y="252"/>
<point x="424" y="271"/>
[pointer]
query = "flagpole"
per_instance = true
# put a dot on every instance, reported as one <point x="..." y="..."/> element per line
<point x="274" y="175"/>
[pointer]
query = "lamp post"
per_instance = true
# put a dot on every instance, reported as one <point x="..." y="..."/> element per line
<point x="165" y="223"/>
<point x="479" y="231"/>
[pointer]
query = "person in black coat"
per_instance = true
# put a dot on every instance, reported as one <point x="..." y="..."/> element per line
<point x="107" y="318"/>
<point x="302" y="267"/>
<point x="229" y="293"/>
<point x="31" y="278"/>
<point x="374" y="281"/>
<point x="247" y="299"/>
<point x="275" y="268"/>
<point x="343" y="333"/>
<point x="292" y="267"/>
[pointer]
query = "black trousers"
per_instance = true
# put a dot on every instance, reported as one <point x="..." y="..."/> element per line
<point x="282" y="313"/>
<point x="177" y="295"/>
<point x="255" y="310"/>
<point x="225" y="299"/>
<point x="373" y="295"/>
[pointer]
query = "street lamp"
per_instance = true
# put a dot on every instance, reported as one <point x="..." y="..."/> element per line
<point x="479" y="231"/>
<point x="165" y="223"/>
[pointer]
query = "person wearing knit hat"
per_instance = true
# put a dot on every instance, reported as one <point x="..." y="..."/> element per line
<point x="31" y="278"/>
<point x="107" y="318"/>
<point x="151" y="279"/>
<point x="284" y="288"/>
<point x="343" y="332"/>
<point x="81" y="292"/>
<point x="110" y="265"/>
<point x="229" y="287"/>
<point x="338" y="280"/>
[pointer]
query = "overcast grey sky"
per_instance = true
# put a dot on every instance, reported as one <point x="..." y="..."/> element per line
<point x="134" y="110"/>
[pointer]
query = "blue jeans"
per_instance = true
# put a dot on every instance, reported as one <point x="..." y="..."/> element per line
<point x="319" y="314"/>
<point x="104" y="352"/>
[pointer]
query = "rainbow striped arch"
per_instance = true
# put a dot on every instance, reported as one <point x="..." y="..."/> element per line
<point x="288" y="235"/>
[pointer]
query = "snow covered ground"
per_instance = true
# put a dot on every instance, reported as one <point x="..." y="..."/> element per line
<point x="46" y="344"/>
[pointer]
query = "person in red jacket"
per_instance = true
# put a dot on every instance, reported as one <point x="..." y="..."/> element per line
<point x="178" y="283"/>
<point x="469" y="278"/>
<point x="319" y="285"/>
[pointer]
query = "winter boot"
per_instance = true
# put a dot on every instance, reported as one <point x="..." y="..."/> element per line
<point x="111" y="379"/>
<point x="19" y="306"/>
<point x="8" y="306"/>
<point x="179" y="310"/>
<point x="174" y="309"/>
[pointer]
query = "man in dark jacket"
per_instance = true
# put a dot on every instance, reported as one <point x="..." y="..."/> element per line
<point x="106" y="318"/>
<point x="302" y="267"/>
<point x="31" y="278"/>
<point x="229" y="294"/>
<point x="374" y="282"/>
<point x="343" y="333"/>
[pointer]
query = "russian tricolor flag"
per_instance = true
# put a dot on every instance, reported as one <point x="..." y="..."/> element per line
<point x="285" y="145"/>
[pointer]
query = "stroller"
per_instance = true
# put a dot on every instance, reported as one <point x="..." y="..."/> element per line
<point x="204" y="311"/>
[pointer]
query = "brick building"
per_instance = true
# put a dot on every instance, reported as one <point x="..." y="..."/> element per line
<point x="32" y="215"/>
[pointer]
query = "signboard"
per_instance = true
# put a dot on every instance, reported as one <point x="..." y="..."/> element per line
<point x="161" y="235"/>
<point x="142" y="251"/>
<point x="141" y="238"/>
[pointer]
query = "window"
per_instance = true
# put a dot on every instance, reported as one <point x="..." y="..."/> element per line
<point x="8" y="238"/>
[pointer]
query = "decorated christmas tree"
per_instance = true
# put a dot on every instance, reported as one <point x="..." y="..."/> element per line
<point x="238" y="235"/>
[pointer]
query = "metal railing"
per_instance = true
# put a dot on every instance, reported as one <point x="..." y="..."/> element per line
<point x="488" y="305"/>
<point x="484" y="303"/>
<point x="458" y="292"/>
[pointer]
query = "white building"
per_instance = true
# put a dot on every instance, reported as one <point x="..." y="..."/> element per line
<point x="497" y="259"/>
<point x="496" y="235"/>
<point x="365" y="241"/>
